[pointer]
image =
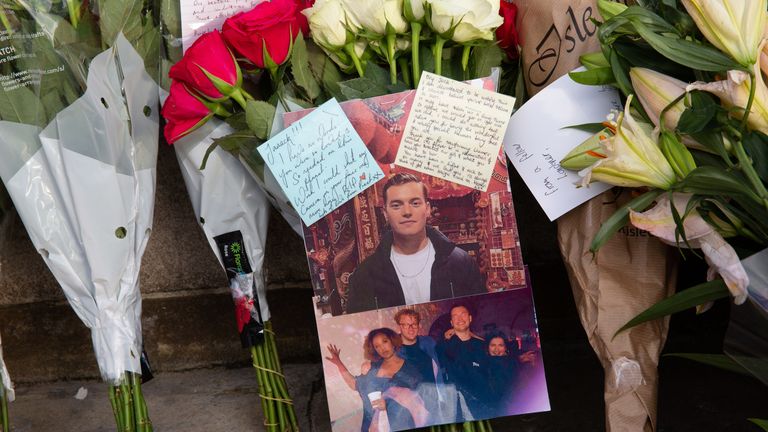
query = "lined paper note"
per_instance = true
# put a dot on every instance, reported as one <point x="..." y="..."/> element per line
<point x="320" y="162"/>
<point x="454" y="131"/>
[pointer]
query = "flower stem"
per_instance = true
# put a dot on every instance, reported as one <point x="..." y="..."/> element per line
<point x="403" y="63"/>
<point x="751" y="99"/>
<point x="415" y="65"/>
<point x="465" y="59"/>
<point x="239" y="96"/>
<point x="391" y="42"/>
<point x="350" y="49"/>
<point x="4" y="412"/>
<point x="745" y="163"/>
<point x="255" y="359"/>
<point x="438" y="53"/>
<point x="73" y="7"/>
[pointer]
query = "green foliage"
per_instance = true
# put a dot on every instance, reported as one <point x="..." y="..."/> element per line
<point x="300" y="68"/>
<point x="259" y="116"/>
<point x="686" y="299"/>
<point x="621" y="217"/>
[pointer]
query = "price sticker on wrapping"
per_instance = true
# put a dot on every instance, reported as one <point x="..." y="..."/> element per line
<point x="320" y="162"/>
<point x="454" y="131"/>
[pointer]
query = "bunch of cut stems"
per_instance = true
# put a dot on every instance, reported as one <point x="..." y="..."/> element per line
<point x="4" y="410"/>
<point x="128" y="405"/>
<point x="279" y="413"/>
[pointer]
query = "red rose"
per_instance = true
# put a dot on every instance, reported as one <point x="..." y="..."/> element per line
<point x="183" y="113"/>
<point x="301" y="18"/>
<point x="507" y="32"/>
<point x="208" y="67"/>
<point x="268" y="28"/>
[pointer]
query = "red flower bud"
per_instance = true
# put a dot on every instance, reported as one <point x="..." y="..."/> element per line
<point x="269" y="28"/>
<point x="208" y="67"/>
<point x="506" y="34"/>
<point x="183" y="113"/>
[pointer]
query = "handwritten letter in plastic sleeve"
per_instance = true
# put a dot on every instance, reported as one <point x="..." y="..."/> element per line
<point x="539" y="136"/>
<point x="201" y="16"/>
<point x="454" y="131"/>
<point x="320" y="162"/>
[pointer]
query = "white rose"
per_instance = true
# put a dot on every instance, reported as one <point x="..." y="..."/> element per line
<point x="413" y="10"/>
<point x="477" y="19"/>
<point x="374" y="15"/>
<point x="328" y="23"/>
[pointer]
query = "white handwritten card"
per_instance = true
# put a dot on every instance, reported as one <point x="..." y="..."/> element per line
<point x="454" y="131"/>
<point x="539" y="136"/>
<point x="320" y="162"/>
<point x="201" y="16"/>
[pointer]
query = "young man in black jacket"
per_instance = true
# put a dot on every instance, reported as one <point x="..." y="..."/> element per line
<point x="414" y="263"/>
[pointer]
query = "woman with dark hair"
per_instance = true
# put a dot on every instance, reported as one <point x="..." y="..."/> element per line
<point x="388" y="385"/>
<point x="502" y="371"/>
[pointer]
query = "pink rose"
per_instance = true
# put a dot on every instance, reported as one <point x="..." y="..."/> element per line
<point x="270" y="28"/>
<point x="183" y="113"/>
<point x="507" y="33"/>
<point x="209" y="68"/>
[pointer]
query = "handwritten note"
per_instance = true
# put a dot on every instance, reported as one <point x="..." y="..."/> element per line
<point x="454" y="131"/>
<point x="320" y="162"/>
<point x="538" y="137"/>
<point x="201" y="16"/>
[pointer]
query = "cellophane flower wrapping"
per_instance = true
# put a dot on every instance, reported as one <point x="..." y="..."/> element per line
<point x="78" y="149"/>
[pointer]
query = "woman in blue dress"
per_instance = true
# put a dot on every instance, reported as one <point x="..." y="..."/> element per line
<point x="390" y="374"/>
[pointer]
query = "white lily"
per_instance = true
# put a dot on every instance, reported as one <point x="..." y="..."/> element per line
<point x="734" y="93"/>
<point x="720" y="256"/>
<point x="633" y="158"/>
<point x="733" y="26"/>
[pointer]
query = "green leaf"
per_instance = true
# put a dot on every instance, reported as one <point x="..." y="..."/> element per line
<point x="597" y="76"/>
<point x="721" y="361"/>
<point x="117" y="16"/>
<point x="301" y="70"/>
<point x="361" y="88"/>
<point x="760" y="422"/>
<point x="756" y="146"/>
<point x="483" y="59"/>
<point x="686" y="52"/>
<point x="20" y="105"/>
<point x="686" y="299"/>
<point x="259" y="116"/>
<point x="620" y="218"/>
<point x="231" y="143"/>
<point x="621" y="73"/>
<point x="592" y="128"/>
<point x="377" y="74"/>
<point x="331" y="79"/>
<point x="702" y="110"/>
<point x="238" y="122"/>
<point x="708" y="180"/>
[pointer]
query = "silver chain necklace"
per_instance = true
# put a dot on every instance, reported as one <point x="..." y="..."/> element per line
<point x="401" y="273"/>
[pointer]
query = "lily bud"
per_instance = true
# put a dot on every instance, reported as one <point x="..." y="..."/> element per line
<point x="633" y="158"/>
<point x="609" y="9"/>
<point x="733" y="26"/>
<point x="655" y="91"/>
<point x="676" y="153"/>
<point x="586" y="153"/>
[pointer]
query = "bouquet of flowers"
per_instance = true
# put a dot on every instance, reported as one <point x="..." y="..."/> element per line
<point x="231" y="87"/>
<point x="691" y="140"/>
<point x="78" y="133"/>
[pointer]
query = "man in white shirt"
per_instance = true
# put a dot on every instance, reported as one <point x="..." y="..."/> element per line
<point x="414" y="262"/>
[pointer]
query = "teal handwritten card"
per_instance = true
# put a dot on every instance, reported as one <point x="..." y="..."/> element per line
<point x="320" y="162"/>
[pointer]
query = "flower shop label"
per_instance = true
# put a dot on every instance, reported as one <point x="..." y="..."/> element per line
<point x="454" y="131"/>
<point x="201" y="16"/>
<point x="320" y="162"/>
<point x="539" y="136"/>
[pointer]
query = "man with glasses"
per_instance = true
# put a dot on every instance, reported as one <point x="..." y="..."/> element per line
<point x="419" y="350"/>
<point x="414" y="262"/>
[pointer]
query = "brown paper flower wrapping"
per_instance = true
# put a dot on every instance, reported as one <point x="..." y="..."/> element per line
<point x="631" y="272"/>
